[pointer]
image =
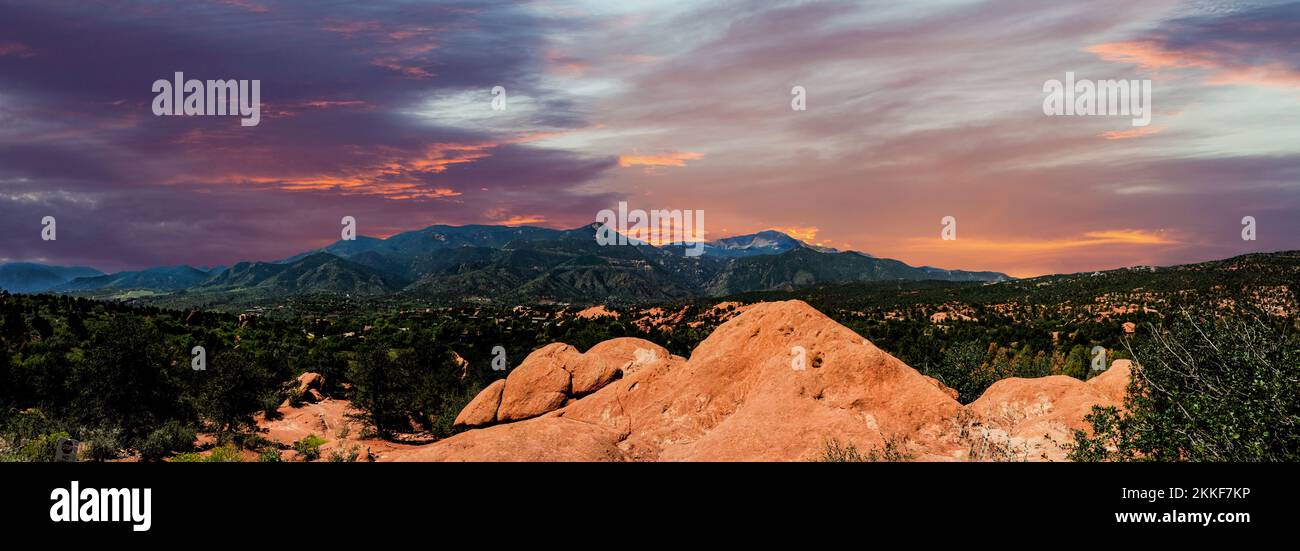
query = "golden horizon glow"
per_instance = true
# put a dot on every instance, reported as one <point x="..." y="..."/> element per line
<point x="671" y="158"/>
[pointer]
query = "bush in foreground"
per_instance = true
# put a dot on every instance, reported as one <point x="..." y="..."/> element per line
<point x="170" y="438"/>
<point x="309" y="447"/>
<point x="1205" y="390"/>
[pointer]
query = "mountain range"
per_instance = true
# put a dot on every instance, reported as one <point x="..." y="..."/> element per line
<point x="495" y="263"/>
<point x="29" y="277"/>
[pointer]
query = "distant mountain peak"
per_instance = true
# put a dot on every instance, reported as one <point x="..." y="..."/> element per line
<point x="29" y="277"/>
<point x="769" y="241"/>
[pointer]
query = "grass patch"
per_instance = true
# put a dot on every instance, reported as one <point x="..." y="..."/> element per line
<point x="893" y="450"/>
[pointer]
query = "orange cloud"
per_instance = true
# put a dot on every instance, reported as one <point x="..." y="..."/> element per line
<point x="667" y="235"/>
<point x="438" y="157"/>
<point x="807" y="234"/>
<point x="1133" y="133"/>
<point x="395" y="64"/>
<point x="559" y="63"/>
<point x="1125" y="236"/>
<point x="520" y="220"/>
<point x="671" y="158"/>
<point x="502" y="216"/>
<point x="352" y="185"/>
<point x="537" y="136"/>
<point x="1150" y="55"/>
<point x="1026" y="257"/>
<point x="399" y="192"/>
<point x="1274" y="75"/>
<point x="1154" y="56"/>
<point x="398" y="177"/>
<point x="1087" y="239"/>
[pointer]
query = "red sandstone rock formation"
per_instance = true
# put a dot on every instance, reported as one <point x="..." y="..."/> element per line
<point x="775" y="383"/>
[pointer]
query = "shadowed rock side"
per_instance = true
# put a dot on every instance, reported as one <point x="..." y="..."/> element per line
<point x="740" y="397"/>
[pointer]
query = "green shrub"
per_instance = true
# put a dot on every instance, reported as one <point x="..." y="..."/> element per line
<point x="1204" y="389"/>
<point x="223" y="454"/>
<point x="395" y="387"/>
<point x="961" y="369"/>
<point x="100" y="444"/>
<point x="893" y="450"/>
<point x="309" y="447"/>
<point x="451" y="406"/>
<point x="189" y="457"/>
<point x="122" y="377"/>
<point x="270" y="455"/>
<point x="30" y="436"/>
<point x="171" y="437"/>
<point x="271" y="405"/>
<point x="245" y="440"/>
<point x="235" y="388"/>
<point x="226" y="454"/>
<point x="42" y="448"/>
<point x="339" y="456"/>
<point x="834" y="452"/>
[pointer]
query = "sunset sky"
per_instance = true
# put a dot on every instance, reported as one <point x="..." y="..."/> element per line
<point x="915" y="111"/>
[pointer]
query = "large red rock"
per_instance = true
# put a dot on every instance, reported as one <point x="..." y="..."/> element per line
<point x="1113" y="383"/>
<point x="609" y="360"/>
<point x="952" y="393"/>
<point x="555" y="374"/>
<point x="539" y="439"/>
<point x="482" y="410"/>
<point x="741" y="397"/>
<point x="309" y="385"/>
<point x="540" y="384"/>
<point x="1036" y="417"/>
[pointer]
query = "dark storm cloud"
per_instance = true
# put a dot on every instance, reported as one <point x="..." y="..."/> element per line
<point x="1271" y="30"/>
<point x="339" y="81"/>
